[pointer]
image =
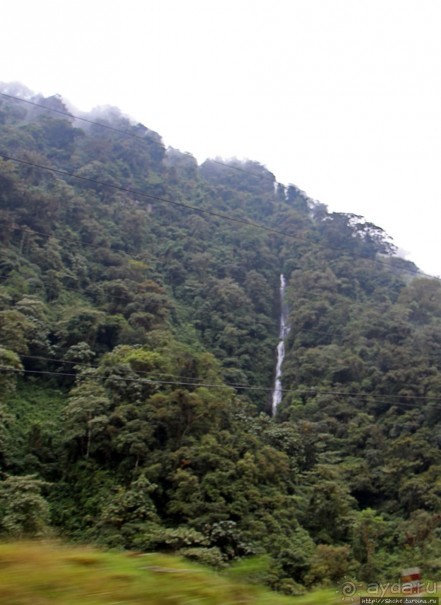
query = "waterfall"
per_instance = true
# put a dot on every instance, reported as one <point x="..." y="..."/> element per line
<point x="283" y="333"/>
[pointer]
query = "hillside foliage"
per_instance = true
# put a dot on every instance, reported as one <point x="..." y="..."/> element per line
<point x="139" y="310"/>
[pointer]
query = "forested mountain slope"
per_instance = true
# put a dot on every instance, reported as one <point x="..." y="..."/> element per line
<point x="139" y="309"/>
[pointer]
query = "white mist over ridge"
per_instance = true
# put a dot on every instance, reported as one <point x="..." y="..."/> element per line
<point x="299" y="86"/>
<point x="398" y="203"/>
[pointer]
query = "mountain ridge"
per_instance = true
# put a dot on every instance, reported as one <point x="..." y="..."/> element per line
<point x="138" y="342"/>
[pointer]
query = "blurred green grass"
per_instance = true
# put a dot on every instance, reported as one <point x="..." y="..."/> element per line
<point x="46" y="573"/>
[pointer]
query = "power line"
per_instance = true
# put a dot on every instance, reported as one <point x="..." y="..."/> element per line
<point x="95" y="367"/>
<point x="231" y="166"/>
<point x="65" y="173"/>
<point x="164" y="200"/>
<point x="146" y="195"/>
<point x="199" y="210"/>
<point x="126" y="133"/>
<point x="195" y="209"/>
<point x="369" y="398"/>
<point x="299" y="391"/>
<point x="75" y="117"/>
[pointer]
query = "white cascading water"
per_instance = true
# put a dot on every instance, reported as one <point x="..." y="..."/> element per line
<point x="283" y="333"/>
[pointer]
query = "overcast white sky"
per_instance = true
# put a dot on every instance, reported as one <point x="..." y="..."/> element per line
<point x="340" y="97"/>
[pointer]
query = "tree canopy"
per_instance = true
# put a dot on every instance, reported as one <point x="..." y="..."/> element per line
<point x="139" y="318"/>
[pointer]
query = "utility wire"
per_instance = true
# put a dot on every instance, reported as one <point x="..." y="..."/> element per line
<point x="138" y="192"/>
<point x="194" y="209"/>
<point x="299" y="391"/>
<point x="146" y="195"/>
<point x="377" y="399"/>
<point x="202" y="384"/>
<point x="314" y="391"/>
<point x="75" y="117"/>
<point x="95" y="367"/>
<point x="128" y="133"/>
<point x="65" y="173"/>
<point x="231" y="166"/>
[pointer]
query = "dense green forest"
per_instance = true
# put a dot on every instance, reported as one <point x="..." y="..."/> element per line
<point x="139" y="318"/>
